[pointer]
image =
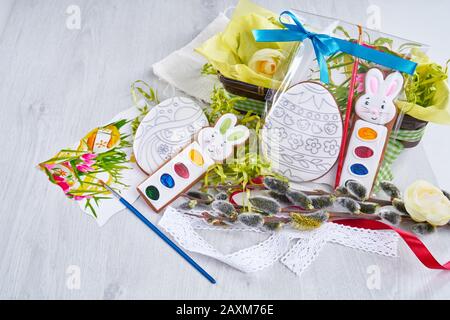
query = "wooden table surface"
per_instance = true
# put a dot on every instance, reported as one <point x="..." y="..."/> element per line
<point x="57" y="83"/>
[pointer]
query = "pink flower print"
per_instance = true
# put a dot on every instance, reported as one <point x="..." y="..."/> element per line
<point x="61" y="182"/>
<point x="78" y="198"/>
<point x="49" y="166"/>
<point x="88" y="156"/>
<point x="88" y="159"/>
<point x="84" y="168"/>
<point x="360" y="77"/>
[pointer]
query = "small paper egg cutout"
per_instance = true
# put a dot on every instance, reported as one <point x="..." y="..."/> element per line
<point x="165" y="130"/>
<point x="303" y="132"/>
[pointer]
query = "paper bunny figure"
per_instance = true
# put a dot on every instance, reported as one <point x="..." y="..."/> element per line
<point x="376" y="112"/>
<point x="376" y="105"/>
<point x="218" y="141"/>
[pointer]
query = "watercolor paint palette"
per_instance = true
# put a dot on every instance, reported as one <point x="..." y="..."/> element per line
<point x="175" y="177"/>
<point x="364" y="153"/>
<point x="376" y="113"/>
<point x="181" y="172"/>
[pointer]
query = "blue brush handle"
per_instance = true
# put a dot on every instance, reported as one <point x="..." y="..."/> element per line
<point x="167" y="240"/>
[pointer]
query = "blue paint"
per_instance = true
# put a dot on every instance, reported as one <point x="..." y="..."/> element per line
<point x="359" y="169"/>
<point x="167" y="180"/>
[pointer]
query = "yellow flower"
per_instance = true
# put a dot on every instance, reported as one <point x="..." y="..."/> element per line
<point x="425" y="202"/>
<point x="230" y="51"/>
<point x="265" y="61"/>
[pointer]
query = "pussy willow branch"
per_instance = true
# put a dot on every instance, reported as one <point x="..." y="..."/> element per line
<point x="309" y="193"/>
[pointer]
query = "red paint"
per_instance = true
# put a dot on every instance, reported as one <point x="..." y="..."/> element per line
<point x="181" y="170"/>
<point x="363" y="152"/>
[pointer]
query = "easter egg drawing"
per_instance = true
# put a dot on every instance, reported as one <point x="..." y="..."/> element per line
<point x="303" y="131"/>
<point x="166" y="130"/>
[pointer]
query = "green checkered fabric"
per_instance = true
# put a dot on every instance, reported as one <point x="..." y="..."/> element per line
<point x="248" y="104"/>
<point x="393" y="150"/>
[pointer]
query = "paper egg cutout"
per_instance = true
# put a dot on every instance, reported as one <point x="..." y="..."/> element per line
<point x="303" y="131"/>
<point x="166" y="130"/>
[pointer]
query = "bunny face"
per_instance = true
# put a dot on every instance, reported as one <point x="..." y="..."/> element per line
<point x="376" y="105"/>
<point x="218" y="142"/>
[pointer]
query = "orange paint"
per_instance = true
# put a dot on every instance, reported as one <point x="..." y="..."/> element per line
<point x="367" y="133"/>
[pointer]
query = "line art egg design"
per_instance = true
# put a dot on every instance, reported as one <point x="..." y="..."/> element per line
<point x="166" y="130"/>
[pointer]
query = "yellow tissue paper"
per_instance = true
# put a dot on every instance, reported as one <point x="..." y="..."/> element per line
<point x="427" y="92"/>
<point x="230" y="51"/>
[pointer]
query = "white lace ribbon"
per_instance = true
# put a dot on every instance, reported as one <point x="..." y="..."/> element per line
<point x="278" y="246"/>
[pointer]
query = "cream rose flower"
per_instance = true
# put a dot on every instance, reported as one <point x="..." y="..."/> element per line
<point x="265" y="61"/>
<point x="425" y="202"/>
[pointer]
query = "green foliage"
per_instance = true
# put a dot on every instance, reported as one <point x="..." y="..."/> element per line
<point x="421" y="87"/>
<point x="142" y="90"/>
<point x="221" y="103"/>
<point x="208" y="69"/>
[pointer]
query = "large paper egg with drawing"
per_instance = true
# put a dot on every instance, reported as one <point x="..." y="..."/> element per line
<point x="303" y="131"/>
<point x="165" y="130"/>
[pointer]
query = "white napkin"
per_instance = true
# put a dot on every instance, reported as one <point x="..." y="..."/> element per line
<point x="182" y="68"/>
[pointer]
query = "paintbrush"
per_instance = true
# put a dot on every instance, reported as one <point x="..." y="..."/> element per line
<point x="159" y="233"/>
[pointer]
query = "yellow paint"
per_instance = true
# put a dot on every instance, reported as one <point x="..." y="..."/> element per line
<point x="196" y="157"/>
<point x="367" y="133"/>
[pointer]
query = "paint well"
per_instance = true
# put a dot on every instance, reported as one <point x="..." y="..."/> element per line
<point x="167" y="180"/>
<point x="181" y="170"/>
<point x="152" y="193"/>
<point x="196" y="158"/>
<point x="363" y="152"/>
<point x="367" y="134"/>
<point x="359" y="169"/>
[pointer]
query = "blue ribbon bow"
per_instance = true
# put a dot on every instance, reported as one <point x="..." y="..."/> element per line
<point x="325" y="45"/>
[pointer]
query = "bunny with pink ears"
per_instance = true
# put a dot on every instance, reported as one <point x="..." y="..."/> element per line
<point x="375" y="112"/>
<point x="376" y="105"/>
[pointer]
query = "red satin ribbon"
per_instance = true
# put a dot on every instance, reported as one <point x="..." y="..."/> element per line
<point x="417" y="246"/>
